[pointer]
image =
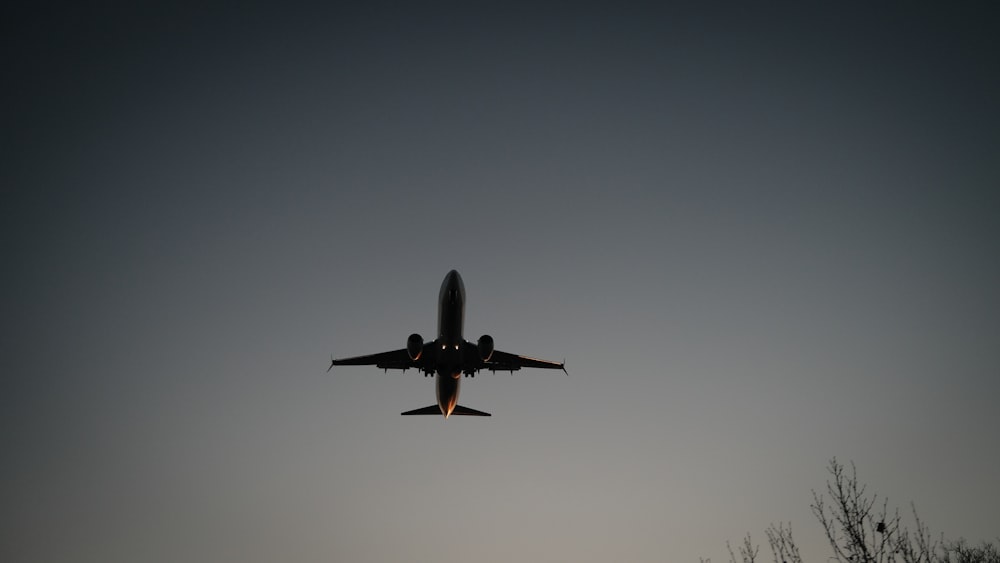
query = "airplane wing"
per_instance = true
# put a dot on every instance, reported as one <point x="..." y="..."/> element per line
<point x="502" y="361"/>
<point x="396" y="359"/>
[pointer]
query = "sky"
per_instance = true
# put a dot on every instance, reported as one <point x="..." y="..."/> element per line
<point x="761" y="236"/>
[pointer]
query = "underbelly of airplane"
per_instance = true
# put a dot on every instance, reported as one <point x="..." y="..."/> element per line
<point x="448" y="382"/>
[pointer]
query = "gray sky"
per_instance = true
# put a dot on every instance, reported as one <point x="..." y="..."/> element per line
<point x="760" y="238"/>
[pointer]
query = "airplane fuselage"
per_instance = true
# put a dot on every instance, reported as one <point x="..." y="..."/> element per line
<point x="451" y="320"/>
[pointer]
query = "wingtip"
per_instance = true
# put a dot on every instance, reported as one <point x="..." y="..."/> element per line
<point x="563" y="366"/>
<point x="331" y="364"/>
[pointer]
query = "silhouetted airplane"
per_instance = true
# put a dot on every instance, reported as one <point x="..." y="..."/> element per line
<point x="449" y="355"/>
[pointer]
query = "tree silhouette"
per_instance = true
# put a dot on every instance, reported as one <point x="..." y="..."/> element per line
<point x="861" y="529"/>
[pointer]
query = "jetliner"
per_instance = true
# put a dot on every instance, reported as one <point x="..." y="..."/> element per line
<point x="449" y="355"/>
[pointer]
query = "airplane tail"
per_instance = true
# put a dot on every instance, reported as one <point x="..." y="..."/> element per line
<point x="436" y="410"/>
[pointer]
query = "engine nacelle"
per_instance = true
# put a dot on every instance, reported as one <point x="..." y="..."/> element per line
<point x="485" y="345"/>
<point x="415" y="346"/>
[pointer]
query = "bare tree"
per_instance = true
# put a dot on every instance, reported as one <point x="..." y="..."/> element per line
<point x="748" y="551"/>
<point x="782" y="544"/>
<point x="917" y="547"/>
<point x="960" y="552"/>
<point x="861" y="529"/>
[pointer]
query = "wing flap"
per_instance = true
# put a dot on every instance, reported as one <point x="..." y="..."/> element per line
<point x="395" y="359"/>
<point x="503" y="361"/>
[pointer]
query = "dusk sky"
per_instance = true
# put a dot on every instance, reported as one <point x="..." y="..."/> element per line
<point x="760" y="237"/>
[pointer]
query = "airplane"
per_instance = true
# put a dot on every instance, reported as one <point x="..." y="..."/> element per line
<point x="449" y="355"/>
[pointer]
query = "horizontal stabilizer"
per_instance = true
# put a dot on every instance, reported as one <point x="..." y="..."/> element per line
<point x="436" y="410"/>
<point x="433" y="409"/>
<point x="466" y="411"/>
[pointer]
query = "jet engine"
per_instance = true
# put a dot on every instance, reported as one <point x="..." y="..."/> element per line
<point x="414" y="346"/>
<point x="485" y="345"/>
